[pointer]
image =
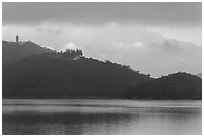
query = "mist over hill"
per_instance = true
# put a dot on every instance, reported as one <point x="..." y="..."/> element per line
<point x="30" y="71"/>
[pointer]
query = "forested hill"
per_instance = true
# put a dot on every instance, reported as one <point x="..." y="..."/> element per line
<point x="51" y="76"/>
<point x="30" y="71"/>
<point x="13" y="51"/>
<point x="175" y="86"/>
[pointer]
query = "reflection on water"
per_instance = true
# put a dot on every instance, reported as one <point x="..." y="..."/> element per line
<point x="101" y="117"/>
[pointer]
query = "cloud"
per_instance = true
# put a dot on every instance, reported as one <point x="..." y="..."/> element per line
<point x="138" y="44"/>
<point x="144" y="49"/>
<point x="72" y="45"/>
<point x="182" y="33"/>
<point x="149" y="13"/>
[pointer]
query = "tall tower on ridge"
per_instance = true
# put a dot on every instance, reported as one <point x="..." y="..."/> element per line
<point x="17" y="39"/>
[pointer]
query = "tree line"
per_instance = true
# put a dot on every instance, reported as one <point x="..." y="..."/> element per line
<point x="69" y="53"/>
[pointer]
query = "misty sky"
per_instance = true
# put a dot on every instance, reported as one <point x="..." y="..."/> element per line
<point x="154" y="38"/>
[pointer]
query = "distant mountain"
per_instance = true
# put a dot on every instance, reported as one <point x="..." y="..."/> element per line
<point x="199" y="75"/>
<point x="13" y="51"/>
<point x="174" y="86"/>
<point x="52" y="76"/>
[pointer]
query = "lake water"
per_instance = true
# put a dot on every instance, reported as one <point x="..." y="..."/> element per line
<point x="99" y="117"/>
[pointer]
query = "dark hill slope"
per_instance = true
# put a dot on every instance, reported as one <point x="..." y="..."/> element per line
<point x="12" y="51"/>
<point x="174" y="86"/>
<point x="43" y="76"/>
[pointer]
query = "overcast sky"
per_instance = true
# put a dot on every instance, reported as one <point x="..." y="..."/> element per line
<point x="154" y="38"/>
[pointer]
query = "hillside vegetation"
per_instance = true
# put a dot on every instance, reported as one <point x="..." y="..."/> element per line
<point x="42" y="76"/>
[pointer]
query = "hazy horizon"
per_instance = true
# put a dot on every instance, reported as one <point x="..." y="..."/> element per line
<point x="154" y="38"/>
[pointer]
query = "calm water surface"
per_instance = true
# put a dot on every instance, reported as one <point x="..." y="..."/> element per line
<point x="90" y="116"/>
